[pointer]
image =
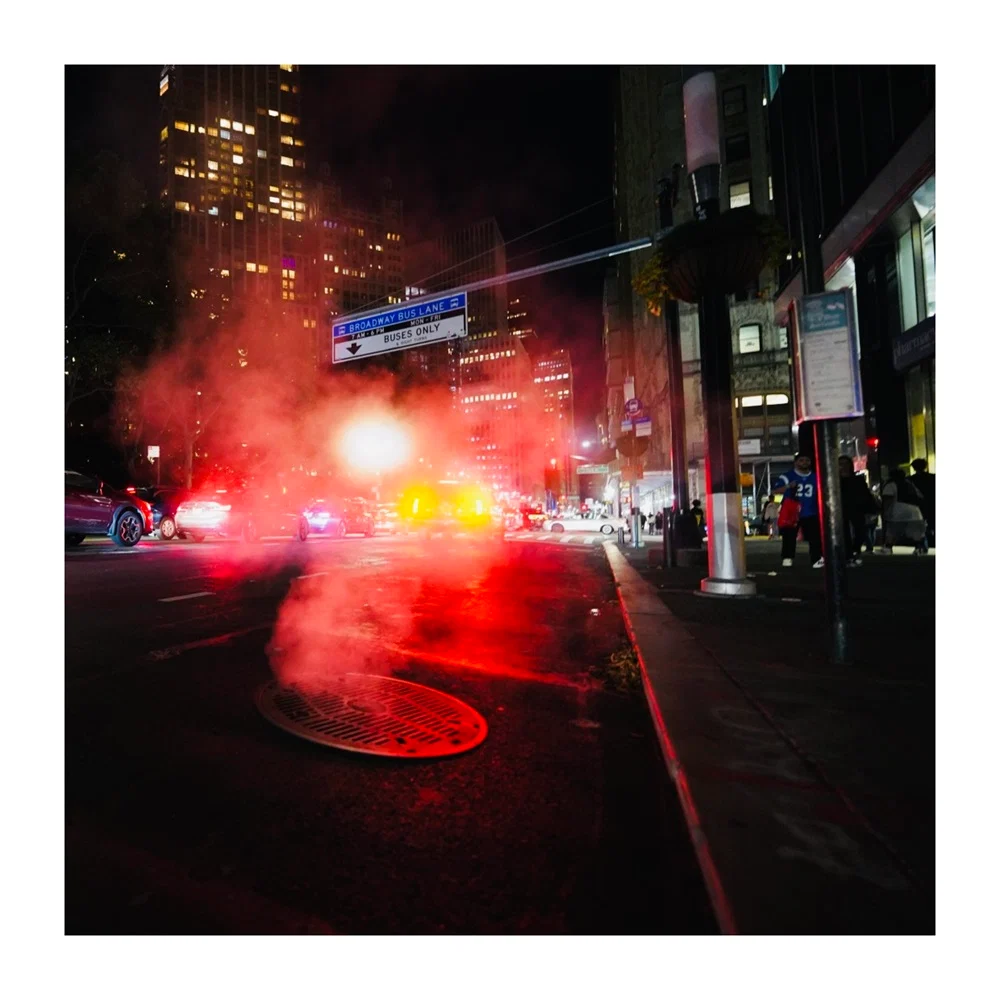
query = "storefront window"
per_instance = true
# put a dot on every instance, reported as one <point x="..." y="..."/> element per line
<point x="929" y="271"/>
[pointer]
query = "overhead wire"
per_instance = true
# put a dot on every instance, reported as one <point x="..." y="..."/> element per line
<point x="419" y="282"/>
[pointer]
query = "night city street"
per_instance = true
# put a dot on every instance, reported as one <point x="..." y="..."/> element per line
<point x="500" y="544"/>
<point x="187" y="812"/>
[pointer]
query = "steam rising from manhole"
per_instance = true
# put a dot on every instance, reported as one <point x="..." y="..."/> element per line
<point x="375" y="715"/>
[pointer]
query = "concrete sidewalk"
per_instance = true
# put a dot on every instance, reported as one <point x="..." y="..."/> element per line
<point x="808" y="788"/>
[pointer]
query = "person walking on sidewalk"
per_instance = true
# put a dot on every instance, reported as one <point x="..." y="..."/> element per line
<point x="770" y="517"/>
<point x="857" y="503"/>
<point x="923" y="482"/>
<point x="658" y="521"/>
<point x="800" y="487"/>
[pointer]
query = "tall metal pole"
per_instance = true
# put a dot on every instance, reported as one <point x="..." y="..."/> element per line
<point x="726" y="553"/>
<point x="667" y="195"/>
<point x="824" y="431"/>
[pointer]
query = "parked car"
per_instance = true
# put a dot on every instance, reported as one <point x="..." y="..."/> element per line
<point x="387" y="518"/>
<point x="248" y="514"/>
<point x="93" y="508"/>
<point x="581" y="522"/>
<point x="340" y="518"/>
<point x="164" y="500"/>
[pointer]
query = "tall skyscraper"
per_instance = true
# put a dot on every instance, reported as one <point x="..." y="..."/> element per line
<point x="359" y="253"/>
<point x="553" y="380"/>
<point x="232" y="162"/>
<point x="488" y="373"/>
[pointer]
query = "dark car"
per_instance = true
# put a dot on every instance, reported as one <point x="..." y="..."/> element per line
<point x="340" y="518"/>
<point x="247" y="514"/>
<point x="93" y="508"/>
<point x="164" y="500"/>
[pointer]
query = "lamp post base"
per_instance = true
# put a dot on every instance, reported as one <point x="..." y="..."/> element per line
<point x="728" y="588"/>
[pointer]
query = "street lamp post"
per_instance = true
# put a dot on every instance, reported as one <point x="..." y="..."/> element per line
<point x="726" y="554"/>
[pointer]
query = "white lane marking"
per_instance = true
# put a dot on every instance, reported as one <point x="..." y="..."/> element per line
<point x="309" y="576"/>
<point x="186" y="597"/>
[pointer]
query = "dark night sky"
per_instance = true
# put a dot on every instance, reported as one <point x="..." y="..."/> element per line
<point x="524" y="144"/>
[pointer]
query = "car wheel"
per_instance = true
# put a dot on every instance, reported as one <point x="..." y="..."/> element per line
<point x="196" y="536"/>
<point x="74" y="539"/>
<point x="557" y="529"/>
<point x="128" y="529"/>
<point x="303" y="531"/>
<point x="606" y="529"/>
<point x="168" y="528"/>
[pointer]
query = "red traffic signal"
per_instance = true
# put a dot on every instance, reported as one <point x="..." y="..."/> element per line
<point x="872" y="443"/>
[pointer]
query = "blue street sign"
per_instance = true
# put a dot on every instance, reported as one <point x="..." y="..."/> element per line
<point x="633" y="406"/>
<point x="402" y="326"/>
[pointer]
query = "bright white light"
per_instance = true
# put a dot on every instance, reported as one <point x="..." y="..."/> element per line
<point x="585" y="444"/>
<point x="375" y="445"/>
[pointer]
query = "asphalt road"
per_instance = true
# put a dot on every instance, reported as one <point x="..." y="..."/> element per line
<point x="187" y="812"/>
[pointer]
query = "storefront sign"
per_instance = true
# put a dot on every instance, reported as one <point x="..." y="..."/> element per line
<point x="749" y="446"/>
<point x="592" y="470"/>
<point x="913" y="346"/>
<point x="825" y="352"/>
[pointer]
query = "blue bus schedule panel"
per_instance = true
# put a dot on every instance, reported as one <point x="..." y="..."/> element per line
<point x="408" y="325"/>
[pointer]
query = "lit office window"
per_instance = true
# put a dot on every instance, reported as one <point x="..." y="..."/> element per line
<point x="250" y="130"/>
<point x="164" y="85"/>
<point x="225" y="123"/>
<point x="749" y="338"/>
<point x="213" y="165"/>
<point x="237" y="158"/>
<point x="251" y="266"/>
<point x="261" y="154"/>
<point x="238" y="126"/>
<point x="182" y="206"/>
<point x="286" y="161"/>
<point x="739" y="194"/>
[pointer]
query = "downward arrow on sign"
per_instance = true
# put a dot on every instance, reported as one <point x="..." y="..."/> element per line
<point x="354" y="348"/>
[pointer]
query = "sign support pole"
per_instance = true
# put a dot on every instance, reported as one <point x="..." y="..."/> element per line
<point x="825" y="434"/>
<point x="668" y="193"/>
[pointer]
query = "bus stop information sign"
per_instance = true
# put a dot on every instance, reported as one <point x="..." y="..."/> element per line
<point x="412" y="324"/>
<point x="825" y="352"/>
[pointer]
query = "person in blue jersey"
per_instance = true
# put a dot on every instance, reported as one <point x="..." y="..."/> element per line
<point x="799" y="484"/>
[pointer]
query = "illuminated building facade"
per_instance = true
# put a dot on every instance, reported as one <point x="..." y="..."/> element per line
<point x="488" y="373"/>
<point x="553" y="382"/>
<point x="358" y="251"/>
<point x="232" y="162"/>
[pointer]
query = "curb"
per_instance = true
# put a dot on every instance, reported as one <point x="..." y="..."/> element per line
<point x="721" y="907"/>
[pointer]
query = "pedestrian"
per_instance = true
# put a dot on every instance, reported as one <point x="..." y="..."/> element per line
<point x="923" y="482"/>
<point x="902" y="521"/>
<point x="699" y="515"/>
<point x="770" y="517"/>
<point x="799" y="486"/>
<point x="857" y="503"/>
<point x="658" y="521"/>
<point x="642" y="521"/>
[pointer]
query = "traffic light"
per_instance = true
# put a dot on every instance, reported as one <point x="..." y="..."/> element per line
<point x="872" y="443"/>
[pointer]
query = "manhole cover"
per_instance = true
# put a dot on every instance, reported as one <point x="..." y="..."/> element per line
<point x="376" y="715"/>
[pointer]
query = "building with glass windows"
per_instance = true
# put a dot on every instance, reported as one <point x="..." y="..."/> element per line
<point x="649" y="141"/>
<point x="232" y="163"/>
<point x="553" y="381"/>
<point x="358" y="252"/>
<point x="488" y="372"/>
<point x="871" y="130"/>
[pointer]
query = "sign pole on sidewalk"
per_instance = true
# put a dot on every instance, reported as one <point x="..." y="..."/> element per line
<point x="827" y="389"/>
